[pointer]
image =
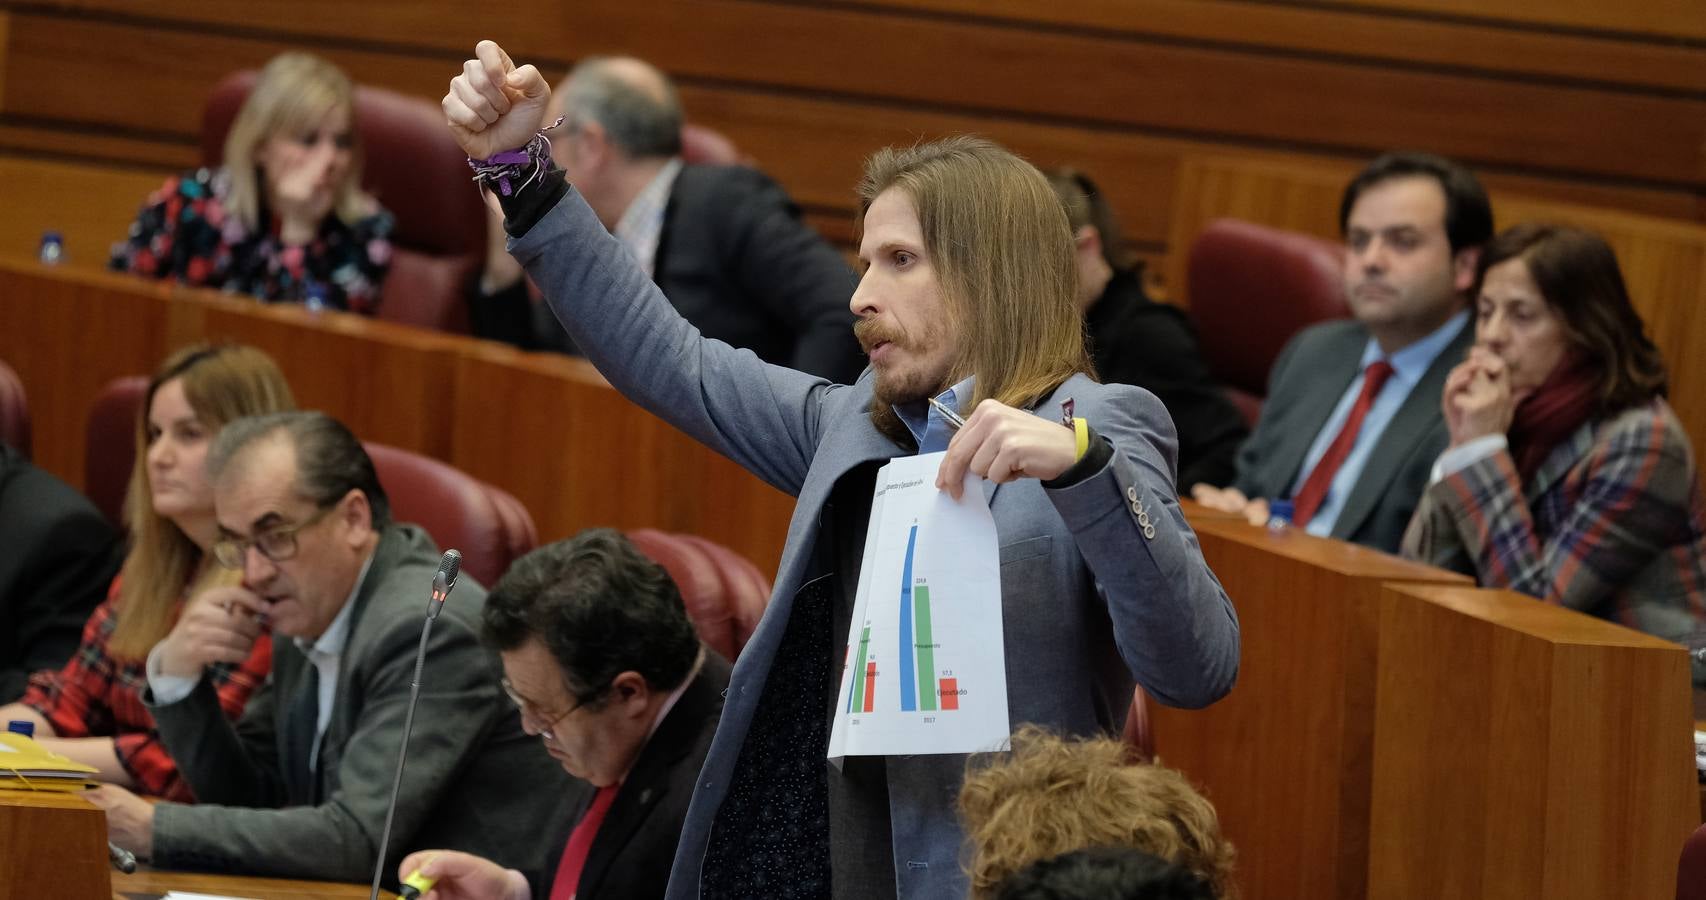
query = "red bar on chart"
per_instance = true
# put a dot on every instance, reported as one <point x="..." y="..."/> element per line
<point x="950" y="693"/>
<point x="870" y="686"/>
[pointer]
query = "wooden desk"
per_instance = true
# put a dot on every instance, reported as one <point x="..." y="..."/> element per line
<point x="1377" y="697"/>
<point x="150" y="883"/>
<point x="146" y="884"/>
<point x="543" y="427"/>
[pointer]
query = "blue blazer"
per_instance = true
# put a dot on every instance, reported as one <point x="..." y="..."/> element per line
<point x="1089" y="602"/>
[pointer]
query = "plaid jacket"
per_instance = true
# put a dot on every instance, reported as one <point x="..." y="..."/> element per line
<point x="1612" y="524"/>
<point x="96" y="695"/>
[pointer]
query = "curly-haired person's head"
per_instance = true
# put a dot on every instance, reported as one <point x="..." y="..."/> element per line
<point x="1052" y="795"/>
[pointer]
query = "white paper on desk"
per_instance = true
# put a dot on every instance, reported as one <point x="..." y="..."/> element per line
<point x="181" y="895"/>
<point x="924" y="670"/>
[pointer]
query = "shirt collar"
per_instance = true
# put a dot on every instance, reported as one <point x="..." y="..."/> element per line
<point x="331" y="643"/>
<point x="668" y="704"/>
<point x="1412" y="362"/>
<point x="641" y="225"/>
<point x="919" y="416"/>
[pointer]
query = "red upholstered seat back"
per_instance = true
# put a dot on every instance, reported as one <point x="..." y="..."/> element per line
<point x="1139" y="733"/>
<point x="1691" y="870"/>
<point x="1251" y="288"/>
<point x="14" y="411"/>
<point x="700" y="144"/>
<point x="109" y="444"/>
<point x="724" y="594"/>
<point x="489" y="526"/>
<point x="415" y="169"/>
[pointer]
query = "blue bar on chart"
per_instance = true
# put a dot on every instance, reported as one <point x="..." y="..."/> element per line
<point x="908" y="675"/>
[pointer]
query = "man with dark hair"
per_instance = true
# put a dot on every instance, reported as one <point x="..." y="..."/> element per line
<point x="1351" y="425"/>
<point x="967" y="300"/>
<point x="299" y="785"/>
<point x="602" y="661"/>
<point x="1135" y="340"/>
<point x="725" y="244"/>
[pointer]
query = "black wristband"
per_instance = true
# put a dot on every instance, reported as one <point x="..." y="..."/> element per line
<point x="524" y="208"/>
<point x="1095" y="457"/>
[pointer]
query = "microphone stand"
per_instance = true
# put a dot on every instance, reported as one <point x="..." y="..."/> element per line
<point x="442" y="583"/>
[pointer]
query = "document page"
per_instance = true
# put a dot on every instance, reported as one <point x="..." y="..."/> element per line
<point x="924" y="670"/>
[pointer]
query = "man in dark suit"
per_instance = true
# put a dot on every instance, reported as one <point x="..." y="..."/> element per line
<point x="602" y="660"/>
<point x="725" y="244"/>
<point x="60" y="556"/>
<point x="1135" y="340"/>
<point x="299" y="786"/>
<point x="1351" y="425"/>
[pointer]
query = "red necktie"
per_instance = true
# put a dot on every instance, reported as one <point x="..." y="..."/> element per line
<point x="1314" y="489"/>
<point x="580" y="842"/>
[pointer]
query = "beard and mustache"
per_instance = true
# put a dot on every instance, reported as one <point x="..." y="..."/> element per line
<point x="897" y="386"/>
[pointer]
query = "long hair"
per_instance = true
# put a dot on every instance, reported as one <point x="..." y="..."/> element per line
<point x="999" y="243"/>
<point x="1577" y="274"/>
<point x="295" y="92"/>
<point x="1053" y="796"/>
<point x="221" y="383"/>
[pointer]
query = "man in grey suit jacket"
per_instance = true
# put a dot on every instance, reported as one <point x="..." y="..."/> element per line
<point x="1102" y="580"/>
<point x="1351" y="425"/>
<point x="299" y="785"/>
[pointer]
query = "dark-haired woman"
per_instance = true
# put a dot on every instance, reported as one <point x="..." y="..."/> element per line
<point x="1568" y="476"/>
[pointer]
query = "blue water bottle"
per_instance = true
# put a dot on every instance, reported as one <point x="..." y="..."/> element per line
<point x="19" y="726"/>
<point x="52" y="248"/>
<point x="314" y="295"/>
<point x="1279" y="514"/>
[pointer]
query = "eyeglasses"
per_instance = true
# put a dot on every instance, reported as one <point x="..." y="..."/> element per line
<point x="276" y="544"/>
<point x="527" y="710"/>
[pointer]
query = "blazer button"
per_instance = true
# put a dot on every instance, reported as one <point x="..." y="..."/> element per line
<point x="1149" y="532"/>
<point x="1131" y="493"/>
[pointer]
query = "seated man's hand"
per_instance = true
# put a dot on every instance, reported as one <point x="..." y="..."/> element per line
<point x="219" y="625"/>
<point x="493" y="106"/>
<point x="464" y="876"/>
<point x="1231" y="500"/>
<point x="130" y="819"/>
<point x="1001" y="443"/>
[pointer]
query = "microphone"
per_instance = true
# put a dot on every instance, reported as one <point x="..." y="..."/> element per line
<point x="449" y="566"/>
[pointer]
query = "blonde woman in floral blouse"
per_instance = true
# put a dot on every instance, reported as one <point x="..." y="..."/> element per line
<point x="285" y="219"/>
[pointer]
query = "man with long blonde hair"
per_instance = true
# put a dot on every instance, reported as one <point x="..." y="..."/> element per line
<point x="967" y="299"/>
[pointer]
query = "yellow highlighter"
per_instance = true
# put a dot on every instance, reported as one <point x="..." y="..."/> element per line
<point x="416" y="885"/>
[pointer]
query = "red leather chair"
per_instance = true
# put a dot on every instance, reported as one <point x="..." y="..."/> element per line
<point x="14" y="411"/>
<point x="415" y="169"/>
<point x="1251" y="288"/>
<point x="1138" y="733"/>
<point x="1691" y="869"/>
<point x="724" y="593"/>
<point x="700" y="144"/>
<point x="488" y="525"/>
<point x="109" y="444"/>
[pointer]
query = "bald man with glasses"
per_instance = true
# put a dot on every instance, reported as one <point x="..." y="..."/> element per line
<point x="299" y="785"/>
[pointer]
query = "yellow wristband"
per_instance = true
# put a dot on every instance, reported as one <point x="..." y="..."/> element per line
<point x="1081" y="431"/>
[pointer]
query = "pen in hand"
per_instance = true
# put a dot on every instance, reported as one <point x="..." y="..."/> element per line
<point x="953" y="418"/>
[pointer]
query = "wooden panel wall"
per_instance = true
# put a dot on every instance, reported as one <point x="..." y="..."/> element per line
<point x="1592" y="102"/>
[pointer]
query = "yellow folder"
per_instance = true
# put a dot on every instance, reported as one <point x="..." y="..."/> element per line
<point x="27" y="765"/>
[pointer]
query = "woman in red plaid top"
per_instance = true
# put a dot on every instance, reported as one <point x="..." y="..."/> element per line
<point x="92" y="710"/>
<point x="1568" y="476"/>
